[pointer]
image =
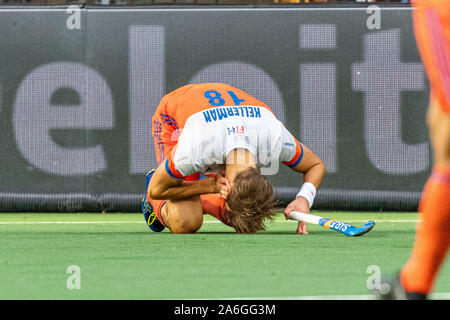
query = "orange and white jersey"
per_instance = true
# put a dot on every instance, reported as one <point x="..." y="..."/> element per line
<point x="208" y="136"/>
<point x="198" y="125"/>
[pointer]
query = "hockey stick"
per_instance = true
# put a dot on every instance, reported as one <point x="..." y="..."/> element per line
<point x="339" y="226"/>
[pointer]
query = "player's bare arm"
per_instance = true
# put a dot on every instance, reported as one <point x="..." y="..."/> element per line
<point x="311" y="166"/>
<point x="164" y="187"/>
<point x="313" y="170"/>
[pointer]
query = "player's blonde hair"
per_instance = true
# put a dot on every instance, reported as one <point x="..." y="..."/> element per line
<point x="251" y="201"/>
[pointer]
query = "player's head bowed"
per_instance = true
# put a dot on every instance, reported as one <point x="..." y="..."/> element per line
<point x="251" y="201"/>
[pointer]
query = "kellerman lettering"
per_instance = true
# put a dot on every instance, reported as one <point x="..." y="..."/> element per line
<point x="220" y="113"/>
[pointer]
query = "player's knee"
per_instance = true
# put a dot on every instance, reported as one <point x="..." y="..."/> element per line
<point x="189" y="224"/>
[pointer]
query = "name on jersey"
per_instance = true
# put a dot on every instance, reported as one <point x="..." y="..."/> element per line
<point x="220" y="113"/>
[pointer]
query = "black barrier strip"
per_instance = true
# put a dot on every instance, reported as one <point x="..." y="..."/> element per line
<point x="255" y="7"/>
<point x="362" y="200"/>
<point x="326" y="199"/>
<point x="317" y="6"/>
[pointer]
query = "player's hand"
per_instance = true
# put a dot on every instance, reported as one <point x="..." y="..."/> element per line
<point x="299" y="204"/>
<point x="222" y="185"/>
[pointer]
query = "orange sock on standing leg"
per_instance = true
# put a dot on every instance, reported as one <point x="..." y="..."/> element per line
<point x="432" y="236"/>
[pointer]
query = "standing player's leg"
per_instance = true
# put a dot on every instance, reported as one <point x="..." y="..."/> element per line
<point x="433" y="234"/>
<point x="416" y="279"/>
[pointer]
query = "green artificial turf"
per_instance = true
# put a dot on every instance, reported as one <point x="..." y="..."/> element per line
<point x="120" y="258"/>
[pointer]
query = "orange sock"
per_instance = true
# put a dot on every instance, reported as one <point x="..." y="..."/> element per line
<point x="157" y="206"/>
<point x="432" y="235"/>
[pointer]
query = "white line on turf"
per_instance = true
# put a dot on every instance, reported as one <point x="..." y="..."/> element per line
<point x="207" y="221"/>
<point x="69" y="222"/>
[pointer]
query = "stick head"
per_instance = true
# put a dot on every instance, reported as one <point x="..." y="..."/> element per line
<point x="356" y="232"/>
<point x="346" y="228"/>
